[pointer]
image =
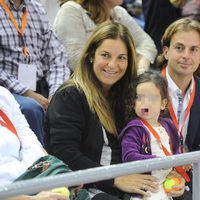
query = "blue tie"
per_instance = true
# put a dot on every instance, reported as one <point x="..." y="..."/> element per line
<point x="180" y="105"/>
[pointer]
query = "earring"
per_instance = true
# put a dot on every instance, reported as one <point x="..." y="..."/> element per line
<point x="91" y="60"/>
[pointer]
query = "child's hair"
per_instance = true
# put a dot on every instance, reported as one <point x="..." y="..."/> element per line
<point x="149" y="76"/>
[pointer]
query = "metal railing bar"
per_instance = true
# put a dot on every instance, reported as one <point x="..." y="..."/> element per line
<point x="34" y="186"/>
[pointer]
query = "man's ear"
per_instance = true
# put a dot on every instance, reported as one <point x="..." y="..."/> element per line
<point x="165" y="52"/>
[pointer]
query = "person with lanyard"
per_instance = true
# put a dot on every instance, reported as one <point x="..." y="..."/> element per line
<point x="19" y="147"/>
<point x="33" y="63"/>
<point x="86" y="114"/>
<point x="147" y="135"/>
<point x="180" y="60"/>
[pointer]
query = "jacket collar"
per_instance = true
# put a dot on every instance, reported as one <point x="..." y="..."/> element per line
<point x="11" y="2"/>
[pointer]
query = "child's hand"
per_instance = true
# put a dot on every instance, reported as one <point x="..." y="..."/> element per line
<point x="180" y="188"/>
<point x="187" y="167"/>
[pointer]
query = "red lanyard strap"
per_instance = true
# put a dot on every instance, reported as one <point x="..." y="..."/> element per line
<point x="19" y="30"/>
<point x="7" y="123"/>
<point x="171" y="110"/>
<point x="167" y="153"/>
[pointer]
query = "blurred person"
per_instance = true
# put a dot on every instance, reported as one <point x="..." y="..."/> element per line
<point x="77" y="19"/>
<point x="33" y="63"/>
<point x="134" y="8"/>
<point x="157" y="18"/>
<point x="19" y="147"/>
<point x="191" y="8"/>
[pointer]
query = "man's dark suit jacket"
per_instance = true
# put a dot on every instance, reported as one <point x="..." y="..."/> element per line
<point x="193" y="134"/>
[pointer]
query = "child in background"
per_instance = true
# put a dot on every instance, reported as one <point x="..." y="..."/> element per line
<point x="149" y="98"/>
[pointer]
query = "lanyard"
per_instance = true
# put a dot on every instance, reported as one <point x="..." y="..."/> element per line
<point x="7" y="123"/>
<point x="172" y="113"/>
<point x="19" y="30"/>
<point x="167" y="153"/>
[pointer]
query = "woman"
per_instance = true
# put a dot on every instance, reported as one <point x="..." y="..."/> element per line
<point x="19" y="147"/>
<point x="86" y="113"/>
<point x="77" y="19"/>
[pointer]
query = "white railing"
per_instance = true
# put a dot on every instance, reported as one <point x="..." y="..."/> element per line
<point x="108" y="172"/>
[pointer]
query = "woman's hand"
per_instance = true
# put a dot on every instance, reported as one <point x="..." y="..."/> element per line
<point x="46" y="195"/>
<point x="50" y="196"/>
<point x="187" y="167"/>
<point x="179" y="188"/>
<point x="136" y="183"/>
<point x="142" y="64"/>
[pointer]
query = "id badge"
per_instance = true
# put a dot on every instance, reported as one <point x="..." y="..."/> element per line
<point x="27" y="75"/>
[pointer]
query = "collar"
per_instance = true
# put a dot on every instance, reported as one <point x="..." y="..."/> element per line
<point x="173" y="88"/>
<point x="23" y="4"/>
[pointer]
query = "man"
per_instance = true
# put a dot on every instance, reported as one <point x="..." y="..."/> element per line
<point x="181" y="58"/>
<point x="29" y="54"/>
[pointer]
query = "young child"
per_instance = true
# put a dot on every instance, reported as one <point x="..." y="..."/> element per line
<point x="149" y="98"/>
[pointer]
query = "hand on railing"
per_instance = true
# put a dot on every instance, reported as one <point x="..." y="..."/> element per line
<point x="137" y="183"/>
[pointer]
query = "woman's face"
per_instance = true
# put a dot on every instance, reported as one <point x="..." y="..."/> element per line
<point x="110" y="62"/>
<point x="112" y="3"/>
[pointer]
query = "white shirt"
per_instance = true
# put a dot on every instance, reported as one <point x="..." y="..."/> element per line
<point x="73" y="26"/>
<point x="172" y="90"/>
<point x="16" y="154"/>
<point x="157" y="150"/>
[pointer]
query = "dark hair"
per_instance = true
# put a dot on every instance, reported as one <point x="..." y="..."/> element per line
<point x="149" y="76"/>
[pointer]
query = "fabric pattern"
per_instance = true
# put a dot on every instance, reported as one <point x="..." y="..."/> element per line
<point x="16" y="153"/>
<point x="45" y="51"/>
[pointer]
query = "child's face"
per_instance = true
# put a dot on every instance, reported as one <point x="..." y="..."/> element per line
<point x="148" y="102"/>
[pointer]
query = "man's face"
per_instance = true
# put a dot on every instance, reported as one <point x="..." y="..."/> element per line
<point x="183" y="55"/>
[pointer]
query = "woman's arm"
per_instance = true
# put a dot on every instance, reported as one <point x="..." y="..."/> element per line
<point x="145" y="46"/>
<point x="66" y="127"/>
<point x="41" y="196"/>
<point x="70" y="29"/>
<point x="30" y="147"/>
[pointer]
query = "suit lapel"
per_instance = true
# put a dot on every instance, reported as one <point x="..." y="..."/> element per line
<point x="193" y="125"/>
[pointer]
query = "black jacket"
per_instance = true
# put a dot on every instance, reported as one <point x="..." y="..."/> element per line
<point x="75" y="135"/>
